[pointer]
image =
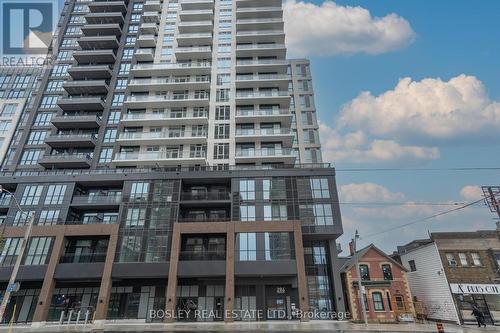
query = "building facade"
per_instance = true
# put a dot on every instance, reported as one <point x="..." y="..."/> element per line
<point x="123" y="244"/>
<point x="18" y="85"/>
<point x="462" y="268"/>
<point x="387" y="293"/>
<point x="177" y="167"/>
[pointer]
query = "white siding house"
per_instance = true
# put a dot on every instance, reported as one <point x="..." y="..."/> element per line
<point x="429" y="284"/>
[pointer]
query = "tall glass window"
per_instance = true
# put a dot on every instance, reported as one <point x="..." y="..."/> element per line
<point x="248" y="246"/>
<point x="247" y="189"/>
<point x="278" y="246"/>
<point x="31" y="195"/>
<point x="247" y="213"/>
<point x="55" y="194"/>
<point x="139" y="191"/>
<point x="319" y="188"/>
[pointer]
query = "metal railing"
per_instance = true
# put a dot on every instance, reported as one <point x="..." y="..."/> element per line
<point x="263" y="77"/>
<point x="159" y="155"/>
<point x="199" y="168"/>
<point x="255" y="113"/>
<point x="205" y="196"/>
<point x="82" y="258"/>
<point x="262" y="131"/>
<point x="203" y="255"/>
<point x="259" y="46"/>
<point x="83" y="199"/>
<point x="264" y="152"/>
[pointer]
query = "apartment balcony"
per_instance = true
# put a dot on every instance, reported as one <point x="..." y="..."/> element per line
<point x="71" y="140"/>
<point x="256" y="50"/>
<point x="261" y="36"/>
<point x="258" y="3"/>
<point x="263" y="65"/>
<point x="152" y="5"/>
<point x="282" y="116"/>
<point x="195" y="26"/>
<point x="147" y="41"/>
<point x="81" y="104"/>
<point x="196" y="15"/>
<point x="151" y="17"/>
<point x="82" y="258"/>
<point x="107" y="7"/>
<point x="76" y="121"/>
<point x="98" y="42"/>
<point x="192" y="39"/>
<point x="102" y="29"/>
<point x="148" y="28"/>
<point x="266" y="97"/>
<point x="144" y="54"/>
<point x="196" y="52"/>
<point x="95" y="56"/>
<point x="86" y="87"/>
<point x="69" y="161"/>
<point x="136" y="102"/>
<point x="156" y="119"/>
<point x="279" y="81"/>
<point x="165" y="138"/>
<point x="206" y="196"/>
<point x="104" y="201"/>
<point x="283" y="155"/>
<point x="197" y="4"/>
<point x="90" y="72"/>
<point x="265" y="135"/>
<point x="160" y="158"/>
<point x="164" y="84"/>
<point x="259" y="12"/>
<point x="105" y="17"/>
<point x="260" y="24"/>
<point x="173" y="69"/>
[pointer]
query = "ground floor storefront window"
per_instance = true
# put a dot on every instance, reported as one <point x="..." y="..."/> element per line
<point x="68" y="297"/>
<point x="135" y="300"/>
<point x="489" y="305"/>
<point x="21" y="306"/>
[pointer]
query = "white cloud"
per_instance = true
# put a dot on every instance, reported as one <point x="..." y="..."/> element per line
<point x="331" y="29"/>
<point x="356" y="147"/>
<point x="471" y="192"/>
<point x="368" y="192"/>
<point x="370" y="218"/>
<point x="426" y="112"/>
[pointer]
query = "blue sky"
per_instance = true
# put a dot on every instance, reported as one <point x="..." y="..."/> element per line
<point x="451" y="38"/>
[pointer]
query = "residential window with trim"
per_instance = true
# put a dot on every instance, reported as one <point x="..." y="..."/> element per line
<point x="463" y="259"/>
<point x="378" y="301"/>
<point x="387" y="272"/>
<point x="55" y="194"/>
<point x="247" y="246"/>
<point x="364" y="272"/>
<point x="451" y="260"/>
<point x="31" y="195"/>
<point x="476" y="259"/>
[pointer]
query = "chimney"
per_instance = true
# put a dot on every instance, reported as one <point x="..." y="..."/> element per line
<point x="351" y="248"/>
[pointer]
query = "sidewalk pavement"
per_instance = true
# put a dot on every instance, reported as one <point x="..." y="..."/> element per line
<point x="264" y="327"/>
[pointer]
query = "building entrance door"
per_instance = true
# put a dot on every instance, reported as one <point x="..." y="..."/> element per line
<point x="277" y="308"/>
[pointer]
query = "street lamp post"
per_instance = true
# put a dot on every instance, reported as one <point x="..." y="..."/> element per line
<point x="24" y="243"/>
<point x="360" y="286"/>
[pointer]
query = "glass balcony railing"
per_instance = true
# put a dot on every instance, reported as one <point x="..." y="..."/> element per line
<point x="202" y="255"/>
<point x="262" y="77"/>
<point x="167" y="80"/>
<point x="82" y="258"/>
<point x="160" y="135"/>
<point x="262" y="131"/>
<point x="270" y="152"/>
<point x="172" y="66"/>
<point x="190" y="196"/>
<point x="104" y="198"/>
<point x="174" y="155"/>
<point x="160" y="116"/>
<point x="257" y="113"/>
<point x="259" y="46"/>
<point x="262" y="94"/>
<point x="260" y="62"/>
<point x="64" y="156"/>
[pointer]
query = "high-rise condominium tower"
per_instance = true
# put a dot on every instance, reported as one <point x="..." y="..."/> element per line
<point x="172" y="162"/>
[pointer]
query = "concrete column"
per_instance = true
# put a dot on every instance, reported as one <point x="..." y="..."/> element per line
<point x="45" y="298"/>
<point x="335" y="277"/>
<point x="229" y="290"/>
<point x="106" y="280"/>
<point x="301" y="269"/>
<point x="172" y="274"/>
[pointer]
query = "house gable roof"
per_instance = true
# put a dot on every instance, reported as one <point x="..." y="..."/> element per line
<point x="351" y="261"/>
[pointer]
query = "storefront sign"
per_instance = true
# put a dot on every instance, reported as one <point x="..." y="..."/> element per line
<point x="472" y="288"/>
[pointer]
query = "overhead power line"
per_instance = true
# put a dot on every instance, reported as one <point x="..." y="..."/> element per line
<point x="417" y="169"/>
<point x="426" y="218"/>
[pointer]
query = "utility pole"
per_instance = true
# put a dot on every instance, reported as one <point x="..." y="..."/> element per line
<point x="360" y="286"/>
<point x="24" y="243"/>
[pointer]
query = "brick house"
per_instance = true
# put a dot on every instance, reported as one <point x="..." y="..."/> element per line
<point x="387" y="293"/>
